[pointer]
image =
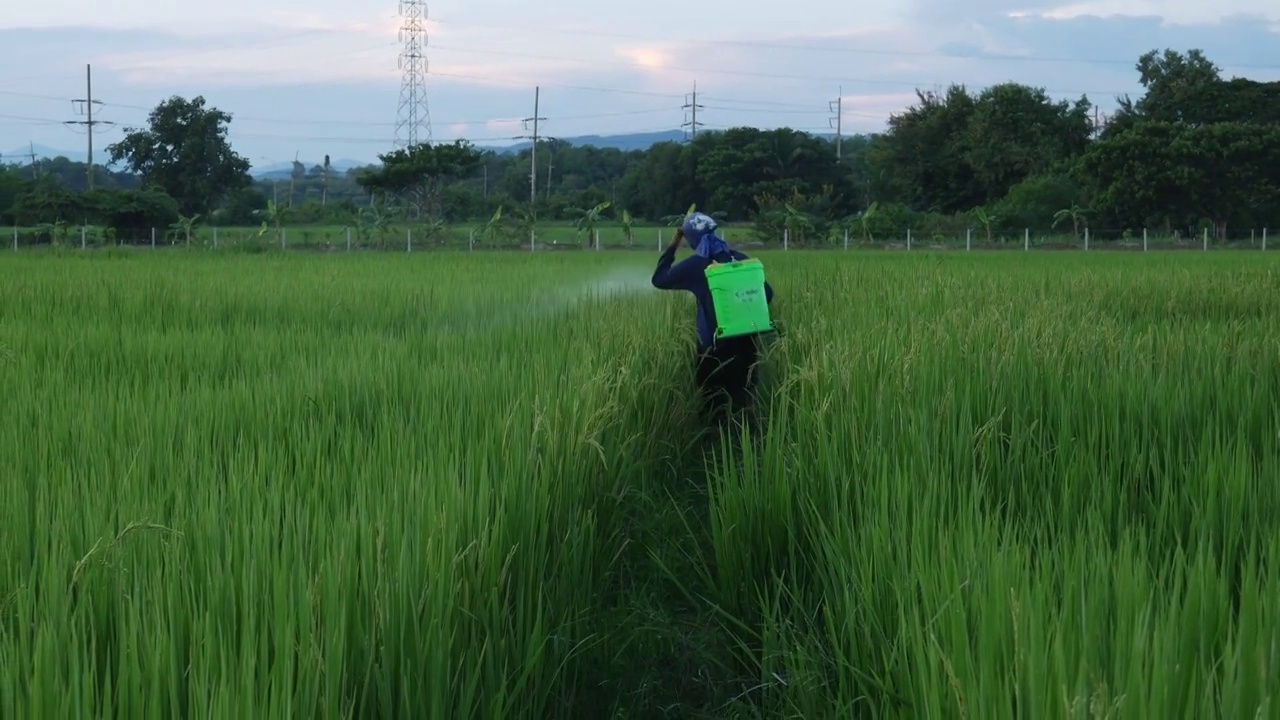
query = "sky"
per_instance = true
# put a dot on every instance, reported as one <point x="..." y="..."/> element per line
<point x="322" y="77"/>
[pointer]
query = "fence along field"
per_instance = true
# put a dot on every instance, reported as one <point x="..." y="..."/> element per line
<point x="471" y="486"/>
<point x="613" y="236"/>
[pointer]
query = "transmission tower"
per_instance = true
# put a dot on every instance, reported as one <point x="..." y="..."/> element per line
<point x="691" y="108"/>
<point x="413" y="121"/>
<point x="837" y="121"/>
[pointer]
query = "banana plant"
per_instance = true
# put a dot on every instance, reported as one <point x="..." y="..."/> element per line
<point x="274" y="219"/>
<point x="587" y="220"/>
<point x="865" y="219"/>
<point x="375" y="221"/>
<point x="1075" y="214"/>
<point x="492" y="229"/>
<point x="433" y="229"/>
<point x="61" y="233"/>
<point x="986" y="219"/>
<point x="628" y="228"/>
<point x="185" y="225"/>
<point x="527" y="224"/>
<point x="678" y="220"/>
<point x="794" y="220"/>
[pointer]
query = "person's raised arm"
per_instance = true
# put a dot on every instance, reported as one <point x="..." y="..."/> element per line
<point x="672" y="277"/>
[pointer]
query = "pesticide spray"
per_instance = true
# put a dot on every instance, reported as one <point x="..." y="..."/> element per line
<point x="545" y="302"/>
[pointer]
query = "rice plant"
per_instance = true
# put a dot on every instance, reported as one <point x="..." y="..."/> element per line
<point x="473" y="486"/>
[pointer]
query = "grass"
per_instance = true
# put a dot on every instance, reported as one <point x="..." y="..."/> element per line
<point x="473" y="486"/>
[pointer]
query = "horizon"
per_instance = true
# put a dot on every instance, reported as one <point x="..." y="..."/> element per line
<point x="325" y="81"/>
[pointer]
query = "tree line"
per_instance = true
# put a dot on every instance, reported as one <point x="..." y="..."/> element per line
<point x="1196" y="150"/>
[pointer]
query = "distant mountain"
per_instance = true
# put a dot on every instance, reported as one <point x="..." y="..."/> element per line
<point x="22" y="155"/>
<point x="628" y="142"/>
<point x="633" y="141"/>
<point x="283" y="170"/>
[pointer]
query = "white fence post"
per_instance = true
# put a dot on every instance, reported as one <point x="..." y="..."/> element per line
<point x="597" y="240"/>
<point x="908" y="239"/>
<point x="1144" y="239"/>
<point x="1086" y="237"/>
<point x="659" y="239"/>
<point x="846" y="238"/>
<point x="471" y="240"/>
<point x="283" y="233"/>
<point x="786" y="238"/>
<point x="968" y="238"/>
<point x="408" y="240"/>
<point x="153" y="238"/>
<point x="1026" y="239"/>
<point x="348" y="239"/>
<point x="215" y="238"/>
<point x="1206" y="239"/>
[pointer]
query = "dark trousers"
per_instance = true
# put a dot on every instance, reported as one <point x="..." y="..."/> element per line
<point x="726" y="374"/>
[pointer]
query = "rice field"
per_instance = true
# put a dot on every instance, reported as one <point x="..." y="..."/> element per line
<point x="474" y="486"/>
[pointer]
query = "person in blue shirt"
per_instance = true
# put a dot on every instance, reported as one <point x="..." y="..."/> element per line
<point x="725" y="369"/>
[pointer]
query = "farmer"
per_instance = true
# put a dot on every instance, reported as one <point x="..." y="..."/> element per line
<point x="725" y="367"/>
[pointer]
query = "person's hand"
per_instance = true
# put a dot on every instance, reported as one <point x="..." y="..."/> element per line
<point x="676" y="239"/>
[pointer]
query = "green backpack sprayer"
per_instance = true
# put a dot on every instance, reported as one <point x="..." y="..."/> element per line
<point x="738" y="298"/>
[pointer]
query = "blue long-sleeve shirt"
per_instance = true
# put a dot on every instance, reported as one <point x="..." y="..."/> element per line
<point x="690" y="274"/>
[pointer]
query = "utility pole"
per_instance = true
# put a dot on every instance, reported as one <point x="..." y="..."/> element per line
<point x="837" y="107"/>
<point x="533" y="149"/>
<point x="35" y="165"/>
<point x="88" y="122"/>
<point x="533" y="162"/>
<point x="691" y="108"/>
<point x="324" y="188"/>
<point x="1099" y="122"/>
<point x="533" y="152"/>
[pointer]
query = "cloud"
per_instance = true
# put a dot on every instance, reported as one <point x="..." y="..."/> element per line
<point x="505" y="126"/>
<point x="647" y="58"/>
<point x="320" y="88"/>
<point x="1170" y="13"/>
<point x="941" y="13"/>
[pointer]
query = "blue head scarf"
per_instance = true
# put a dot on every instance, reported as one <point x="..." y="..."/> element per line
<point x="700" y="232"/>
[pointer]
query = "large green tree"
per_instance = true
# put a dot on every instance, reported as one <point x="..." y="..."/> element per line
<point x="954" y="151"/>
<point x="1171" y="174"/>
<point x="1017" y="132"/>
<point x="1189" y="88"/>
<point x="184" y="152"/>
<point x="420" y="172"/>
<point x="747" y="164"/>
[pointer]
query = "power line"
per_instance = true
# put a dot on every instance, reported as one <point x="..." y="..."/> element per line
<point x="806" y="47"/>
<point x="367" y="123"/>
<point x="562" y="86"/>
<point x="24" y="120"/>
<point x="265" y="42"/>
<point x="735" y="73"/>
